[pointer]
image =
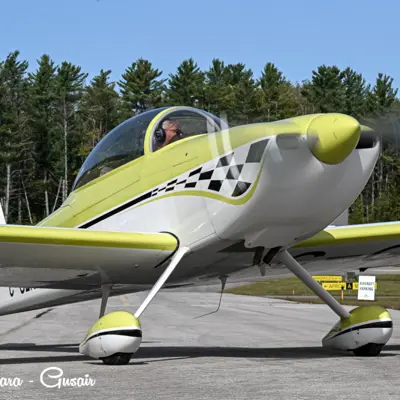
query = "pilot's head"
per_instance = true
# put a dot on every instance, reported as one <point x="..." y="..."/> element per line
<point x="171" y="128"/>
<point x="170" y="133"/>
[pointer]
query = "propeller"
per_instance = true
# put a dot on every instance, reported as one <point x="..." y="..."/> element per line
<point x="384" y="127"/>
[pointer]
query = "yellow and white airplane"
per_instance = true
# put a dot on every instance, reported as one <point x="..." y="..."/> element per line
<point x="149" y="211"/>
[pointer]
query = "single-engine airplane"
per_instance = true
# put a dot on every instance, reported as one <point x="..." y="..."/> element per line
<point x="173" y="196"/>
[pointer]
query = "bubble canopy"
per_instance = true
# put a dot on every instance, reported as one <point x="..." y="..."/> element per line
<point x="127" y="141"/>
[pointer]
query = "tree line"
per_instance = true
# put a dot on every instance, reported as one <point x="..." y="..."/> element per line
<point x="51" y="118"/>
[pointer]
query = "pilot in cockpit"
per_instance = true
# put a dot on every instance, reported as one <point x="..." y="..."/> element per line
<point x="169" y="132"/>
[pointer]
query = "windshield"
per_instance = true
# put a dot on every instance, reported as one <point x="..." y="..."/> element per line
<point x="123" y="144"/>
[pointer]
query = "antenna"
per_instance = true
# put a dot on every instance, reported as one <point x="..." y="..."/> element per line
<point x="223" y="280"/>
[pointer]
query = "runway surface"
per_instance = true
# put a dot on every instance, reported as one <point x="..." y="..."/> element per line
<point x="253" y="348"/>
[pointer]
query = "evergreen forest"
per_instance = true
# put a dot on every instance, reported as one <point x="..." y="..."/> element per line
<point x="52" y="115"/>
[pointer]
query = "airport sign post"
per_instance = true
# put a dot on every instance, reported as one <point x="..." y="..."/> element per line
<point x="334" y="285"/>
<point x="328" y="278"/>
<point x="366" y="288"/>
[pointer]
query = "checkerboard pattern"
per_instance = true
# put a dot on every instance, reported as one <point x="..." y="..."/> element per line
<point x="230" y="175"/>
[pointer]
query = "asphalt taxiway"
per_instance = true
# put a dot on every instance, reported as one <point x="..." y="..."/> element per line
<point x="252" y="348"/>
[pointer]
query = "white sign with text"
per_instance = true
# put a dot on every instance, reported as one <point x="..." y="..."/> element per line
<point x="366" y="288"/>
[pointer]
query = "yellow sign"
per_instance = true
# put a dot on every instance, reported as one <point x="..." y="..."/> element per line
<point x="336" y="278"/>
<point x="354" y="286"/>
<point x="334" y="285"/>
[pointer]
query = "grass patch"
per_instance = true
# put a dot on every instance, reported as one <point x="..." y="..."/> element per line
<point x="276" y="287"/>
<point x="388" y="277"/>
<point x="388" y="288"/>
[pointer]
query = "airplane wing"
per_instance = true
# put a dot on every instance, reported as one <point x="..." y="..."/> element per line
<point x="68" y="258"/>
<point x="352" y="246"/>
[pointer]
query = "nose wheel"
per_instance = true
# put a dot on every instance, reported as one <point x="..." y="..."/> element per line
<point x="369" y="350"/>
<point x="117" y="359"/>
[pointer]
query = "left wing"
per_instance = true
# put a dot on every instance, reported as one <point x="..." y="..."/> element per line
<point x="353" y="246"/>
<point x="68" y="258"/>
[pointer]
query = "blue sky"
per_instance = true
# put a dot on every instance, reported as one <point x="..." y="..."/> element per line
<point x="297" y="35"/>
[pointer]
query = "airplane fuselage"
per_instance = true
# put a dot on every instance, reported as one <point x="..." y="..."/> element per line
<point x="222" y="195"/>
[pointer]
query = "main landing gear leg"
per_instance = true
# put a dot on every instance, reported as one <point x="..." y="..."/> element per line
<point x="363" y="330"/>
<point x="312" y="284"/>
<point x="162" y="279"/>
<point x="117" y="335"/>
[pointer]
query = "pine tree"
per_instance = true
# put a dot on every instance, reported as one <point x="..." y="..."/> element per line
<point x="356" y="212"/>
<point x="242" y="82"/>
<point x="46" y="144"/>
<point x="270" y="92"/>
<point x="218" y="93"/>
<point x="69" y="88"/>
<point x="277" y="97"/>
<point x="186" y="86"/>
<point x="98" y="110"/>
<point x="382" y="97"/>
<point x="302" y="93"/>
<point x="14" y="130"/>
<point x="387" y="207"/>
<point x="326" y="91"/>
<point x="380" y="101"/>
<point x="141" y="88"/>
<point x="355" y="93"/>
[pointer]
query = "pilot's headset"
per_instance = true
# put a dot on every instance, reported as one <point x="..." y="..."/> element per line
<point x="160" y="134"/>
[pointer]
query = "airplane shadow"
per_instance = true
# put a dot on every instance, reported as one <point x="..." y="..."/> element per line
<point x="59" y="348"/>
<point x="250" y="352"/>
<point x="56" y="348"/>
<point x="171" y="353"/>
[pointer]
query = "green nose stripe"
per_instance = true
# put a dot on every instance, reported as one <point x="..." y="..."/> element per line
<point x="333" y="137"/>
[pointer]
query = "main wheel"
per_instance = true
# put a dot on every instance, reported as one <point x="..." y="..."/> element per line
<point x="117" y="359"/>
<point x="368" y="350"/>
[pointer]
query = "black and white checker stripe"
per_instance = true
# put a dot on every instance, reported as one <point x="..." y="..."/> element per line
<point x="230" y="175"/>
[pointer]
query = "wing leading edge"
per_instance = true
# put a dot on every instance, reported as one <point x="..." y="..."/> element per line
<point x="74" y="258"/>
<point x="370" y="245"/>
<point x="79" y="237"/>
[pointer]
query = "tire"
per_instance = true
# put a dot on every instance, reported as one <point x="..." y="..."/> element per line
<point x="368" y="350"/>
<point x="117" y="359"/>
